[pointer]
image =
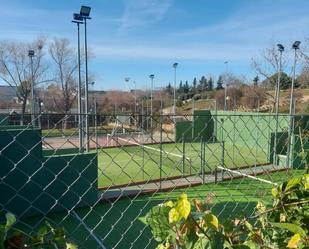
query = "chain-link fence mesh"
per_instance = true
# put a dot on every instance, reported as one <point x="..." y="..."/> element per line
<point x="135" y="162"/>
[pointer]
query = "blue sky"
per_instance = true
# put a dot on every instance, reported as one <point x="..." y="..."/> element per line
<point x="135" y="38"/>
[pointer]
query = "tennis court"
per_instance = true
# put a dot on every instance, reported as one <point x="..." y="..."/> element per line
<point x="129" y="164"/>
<point x="117" y="224"/>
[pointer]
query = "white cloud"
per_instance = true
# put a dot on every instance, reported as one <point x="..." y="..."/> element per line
<point x="141" y="12"/>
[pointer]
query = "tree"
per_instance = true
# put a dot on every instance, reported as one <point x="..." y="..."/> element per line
<point x="203" y="84"/>
<point x="256" y="80"/>
<point x="17" y="71"/>
<point x="169" y="89"/>
<point x="64" y="69"/>
<point x="220" y="82"/>
<point x="194" y="85"/>
<point x="180" y="89"/>
<point x="303" y="78"/>
<point x="253" y="97"/>
<point x="285" y="81"/>
<point x="210" y="84"/>
<point x="186" y="87"/>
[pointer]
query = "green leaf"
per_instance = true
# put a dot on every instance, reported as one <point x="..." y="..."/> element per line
<point x="291" y="227"/>
<point x="157" y="219"/>
<point x="212" y="221"/>
<point x="275" y="192"/>
<point x="71" y="246"/>
<point x="217" y="241"/>
<point x="305" y="181"/>
<point x="292" y="183"/>
<point x="293" y="242"/>
<point x="10" y="220"/>
<point x="250" y="244"/>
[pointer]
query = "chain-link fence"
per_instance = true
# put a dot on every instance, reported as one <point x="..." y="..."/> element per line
<point x="133" y="162"/>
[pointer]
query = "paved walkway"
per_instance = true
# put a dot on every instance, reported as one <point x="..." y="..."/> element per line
<point x="170" y="184"/>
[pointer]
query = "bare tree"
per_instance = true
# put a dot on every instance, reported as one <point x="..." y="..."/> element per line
<point x="64" y="69"/>
<point x="253" y="97"/>
<point x="266" y="66"/>
<point x="15" y="67"/>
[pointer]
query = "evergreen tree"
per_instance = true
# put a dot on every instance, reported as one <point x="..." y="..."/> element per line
<point x="203" y="84"/>
<point x="210" y="84"/>
<point x="180" y="89"/>
<point x="186" y="87"/>
<point x="194" y="83"/>
<point x="220" y="82"/>
<point x="256" y="80"/>
<point x="169" y="89"/>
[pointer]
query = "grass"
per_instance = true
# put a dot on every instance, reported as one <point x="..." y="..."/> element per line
<point x="117" y="223"/>
<point x="133" y="163"/>
<point x="59" y="132"/>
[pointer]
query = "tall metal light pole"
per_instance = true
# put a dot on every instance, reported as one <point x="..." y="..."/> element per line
<point x="85" y="12"/>
<point x="151" y="76"/>
<point x="295" y="46"/>
<point x="79" y="20"/>
<point x="126" y="80"/>
<point x="226" y="85"/>
<point x="280" y="49"/>
<point x="31" y="54"/>
<point x="174" y="104"/>
<point x="135" y="104"/>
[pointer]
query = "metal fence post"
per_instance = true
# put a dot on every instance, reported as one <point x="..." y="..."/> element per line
<point x="183" y="154"/>
<point x="222" y="160"/>
<point x="161" y="148"/>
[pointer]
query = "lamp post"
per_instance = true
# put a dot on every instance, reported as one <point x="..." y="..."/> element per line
<point x="31" y="54"/>
<point x="280" y="49"/>
<point x="175" y="65"/>
<point x="295" y="46"/>
<point x="151" y="76"/>
<point x="126" y="80"/>
<point x="79" y="20"/>
<point x="226" y="85"/>
<point x="84" y="13"/>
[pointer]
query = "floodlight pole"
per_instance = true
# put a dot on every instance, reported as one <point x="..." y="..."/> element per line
<point x="31" y="54"/>
<point x="151" y="76"/>
<point x="86" y="89"/>
<point x="226" y="85"/>
<point x="281" y="49"/>
<point x="174" y="106"/>
<point x="79" y="97"/>
<point x="135" y="106"/>
<point x="292" y="104"/>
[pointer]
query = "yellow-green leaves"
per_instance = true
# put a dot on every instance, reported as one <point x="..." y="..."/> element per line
<point x="168" y="204"/>
<point x="181" y="209"/>
<point x="211" y="221"/>
<point x="173" y="215"/>
<point x="293" y="242"/>
<point x="305" y="181"/>
<point x="183" y="206"/>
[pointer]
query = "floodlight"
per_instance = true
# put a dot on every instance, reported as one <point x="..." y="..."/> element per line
<point x="77" y="17"/>
<point x="31" y="53"/>
<point x="175" y="64"/>
<point x="151" y="76"/>
<point x="85" y="11"/>
<point x="296" y="45"/>
<point x="280" y="47"/>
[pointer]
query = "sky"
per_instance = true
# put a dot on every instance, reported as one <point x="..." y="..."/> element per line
<point x="136" y="38"/>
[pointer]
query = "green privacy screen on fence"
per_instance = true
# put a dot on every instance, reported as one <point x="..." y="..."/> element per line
<point x="200" y="128"/>
<point x="40" y="181"/>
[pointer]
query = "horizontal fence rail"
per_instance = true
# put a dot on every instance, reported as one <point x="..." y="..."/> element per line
<point x="97" y="189"/>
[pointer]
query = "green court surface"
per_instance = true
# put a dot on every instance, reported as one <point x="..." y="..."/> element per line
<point x="117" y="224"/>
<point x="129" y="164"/>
